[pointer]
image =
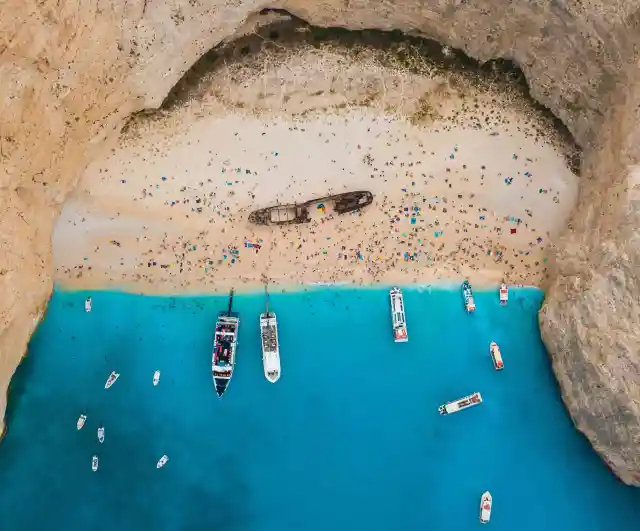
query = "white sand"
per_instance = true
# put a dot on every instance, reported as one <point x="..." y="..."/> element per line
<point x="167" y="210"/>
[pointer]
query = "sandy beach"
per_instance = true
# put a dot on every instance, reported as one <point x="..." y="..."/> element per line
<point x="467" y="184"/>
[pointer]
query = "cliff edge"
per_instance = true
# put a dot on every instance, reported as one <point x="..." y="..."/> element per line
<point x="71" y="74"/>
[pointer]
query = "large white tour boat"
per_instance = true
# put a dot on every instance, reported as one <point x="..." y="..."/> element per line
<point x="486" y="503"/>
<point x="270" y="345"/>
<point x="467" y="293"/>
<point x="504" y="294"/>
<point x="225" y="343"/>
<point x="398" y="316"/>
<point x="460" y="404"/>
<point x="496" y="356"/>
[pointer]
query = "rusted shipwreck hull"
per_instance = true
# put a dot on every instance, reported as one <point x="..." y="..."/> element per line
<point x="299" y="213"/>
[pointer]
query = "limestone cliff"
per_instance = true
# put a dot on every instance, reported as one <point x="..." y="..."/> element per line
<point x="71" y="73"/>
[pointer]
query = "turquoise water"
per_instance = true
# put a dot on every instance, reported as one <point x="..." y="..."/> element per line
<point x="348" y="439"/>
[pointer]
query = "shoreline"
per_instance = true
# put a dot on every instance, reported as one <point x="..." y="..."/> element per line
<point x="295" y="289"/>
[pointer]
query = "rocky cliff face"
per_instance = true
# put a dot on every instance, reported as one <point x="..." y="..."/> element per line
<point x="70" y="74"/>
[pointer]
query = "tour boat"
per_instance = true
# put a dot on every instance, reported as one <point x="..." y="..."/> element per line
<point x="112" y="379"/>
<point x="87" y="305"/>
<point x="460" y="404"/>
<point x="162" y="461"/>
<point x="81" y="420"/>
<point x="486" y="503"/>
<point x="101" y="434"/>
<point x="496" y="356"/>
<point x="156" y="377"/>
<point x="504" y="294"/>
<point x="270" y="345"/>
<point x="398" y="317"/>
<point x="225" y="343"/>
<point x="467" y="293"/>
<point x="94" y="463"/>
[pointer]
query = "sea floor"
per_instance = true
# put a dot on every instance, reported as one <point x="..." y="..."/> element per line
<point x="349" y="438"/>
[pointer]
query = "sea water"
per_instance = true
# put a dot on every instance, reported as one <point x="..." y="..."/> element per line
<point x="348" y="439"/>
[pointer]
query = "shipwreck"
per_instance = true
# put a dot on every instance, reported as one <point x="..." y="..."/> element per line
<point x="295" y="213"/>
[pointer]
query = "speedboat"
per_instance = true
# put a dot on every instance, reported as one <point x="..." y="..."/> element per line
<point x="504" y="294"/>
<point x="81" y="420"/>
<point x="460" y="404"/>
<point x="496" y="356"/>
<point x="270" y="346"/>
<point x="94" y="463"/>
<point x="162" y="461"/>
<point x="398" y="317"/>
<point x="156" y="377"/>
<point x="101" y="434"/>
<point x="486" y="502"/>
<point x="467" y="293"/>
<point x="87" y="305"/>
<point x="112" y="379"/>
<point x="225" y="343"/>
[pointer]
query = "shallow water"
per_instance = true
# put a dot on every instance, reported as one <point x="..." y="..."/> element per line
<point x="349" y="438"/>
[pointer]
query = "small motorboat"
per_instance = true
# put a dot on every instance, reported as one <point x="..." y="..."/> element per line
<point x="485" y="507"/>
<point x="94" y="463"/>
<point x="87" y="305"/>
<point x="101" y="434"/>
<point x="467" y="293"/>
<point x="163" y="461"/>
<point x="496" y="356"/>
<point x="156" y="377"/>
<point x="81" y="420"/>
<point x="112" y="379"/>
<point x="504" y="294"/>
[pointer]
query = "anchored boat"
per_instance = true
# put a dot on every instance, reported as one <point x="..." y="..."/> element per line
<point x="81" y="420"/>
<point x="112" y="379"/>
<point x="398" y="317"/>
<point x="486" y="503"/>
<point x="101" y="434"/>
<point x="496" y="356"/>
<point x="87" y="305"/>
<point x="162" y="461"/>
<point x="299" y="213"/>
<point x="467" y="293"/>
<point x="460" y="404"/>
<point x="270" y="345"/>
<point x="94" y="463"/>
<point x="225" y="343"/>
<point x="156" y="378"/>
<point x="504" y="294"/>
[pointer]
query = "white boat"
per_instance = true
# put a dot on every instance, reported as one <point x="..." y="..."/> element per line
<point x="81" y="420"/>
<point x="504" y="294"/>
<point x="225" y="343"/>
<point x="270" y="346"/>
<point x="101" y="434"/>
<point x="163" y="461"/>
<point x="467" y="293"/>
<point x="486" y="502"/>
<point x="398" y="317"/>
<point x="94" y="463"/>
<point x="496" y="356"/>
<point x="156" y="377"/>
<point x="112" y="379"/>
<point x="87" y="305"/>
<point x="460" y="404"/>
